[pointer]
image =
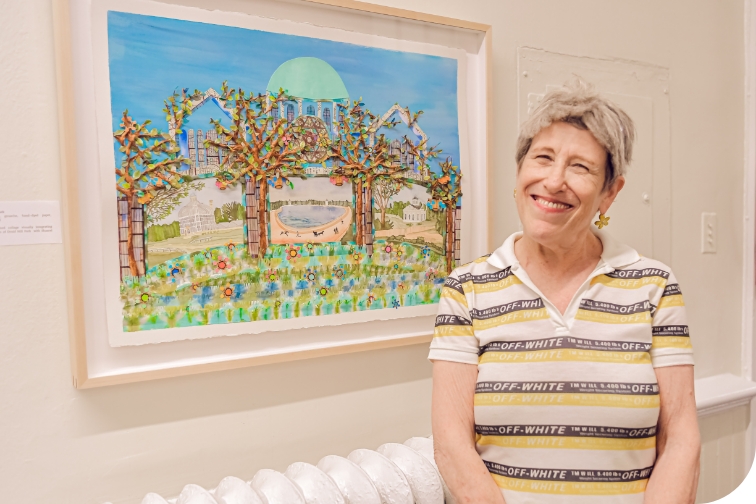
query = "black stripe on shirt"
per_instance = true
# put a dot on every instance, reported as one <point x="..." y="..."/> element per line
<point x="602" y="306"/>
<point x="567" y="388"/>
<point x="671" y="290"/>
<point x="670" y="330"/>
<point x="564" y="342"/>
<point x="588" y="431"/>
<point x="638" y="273"/>
<point x="497" y="311"/>
<point x="452" y="320"/>
<point x="576" y="475"/>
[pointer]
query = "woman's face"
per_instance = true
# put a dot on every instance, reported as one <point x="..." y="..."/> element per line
<point x="560" y="184"/>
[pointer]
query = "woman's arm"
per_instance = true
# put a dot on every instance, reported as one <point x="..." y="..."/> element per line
<point x="453" y="420"/>
<point x="678" y="443"/>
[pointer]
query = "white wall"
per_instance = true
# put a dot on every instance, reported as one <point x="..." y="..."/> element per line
<point x="62" y="445"/>
<point x="723" y="446"/>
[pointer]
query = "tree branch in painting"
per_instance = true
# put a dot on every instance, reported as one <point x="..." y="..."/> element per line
<point x="383" y="190"/>
<point x="261" y="150"/>
<point x="363" y="161"/>
<point x="445" y="189"/>
<point x="164" y="201"/>
<point x="151" y="163"/>
<point x="446" y="192"/>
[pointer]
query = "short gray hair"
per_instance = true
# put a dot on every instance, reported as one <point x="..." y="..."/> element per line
<point x="579" y="104"/>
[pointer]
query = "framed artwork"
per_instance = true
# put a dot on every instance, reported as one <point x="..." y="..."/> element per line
<point x="243" y="188"/>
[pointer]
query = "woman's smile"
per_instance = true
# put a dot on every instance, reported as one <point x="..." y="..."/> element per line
<point x="550" y="205"/>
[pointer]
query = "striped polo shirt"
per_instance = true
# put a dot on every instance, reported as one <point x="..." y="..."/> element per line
<point x="566" y="405"/>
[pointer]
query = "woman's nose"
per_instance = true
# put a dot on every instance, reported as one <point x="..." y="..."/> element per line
<point x="554" y="181"/>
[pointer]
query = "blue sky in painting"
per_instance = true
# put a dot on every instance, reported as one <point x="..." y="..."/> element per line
<point x="151" y="56"/>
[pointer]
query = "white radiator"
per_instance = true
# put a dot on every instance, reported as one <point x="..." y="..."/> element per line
<point x="394" y="473"/>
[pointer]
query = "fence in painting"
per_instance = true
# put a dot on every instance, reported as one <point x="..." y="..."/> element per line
<point x="134" y="211"/>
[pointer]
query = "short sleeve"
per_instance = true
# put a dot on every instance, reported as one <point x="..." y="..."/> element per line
<point x="671" y="340"/>
<point x="453" y="338"/>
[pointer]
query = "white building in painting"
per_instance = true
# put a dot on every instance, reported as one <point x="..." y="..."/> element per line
<point x="414" y="212"/>
<point x="317" y="170"/>
<point x="195" y="217"/>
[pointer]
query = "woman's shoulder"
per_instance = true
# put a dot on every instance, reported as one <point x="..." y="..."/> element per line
<point x="479" y="266"/>
<point x="643" y="267"/>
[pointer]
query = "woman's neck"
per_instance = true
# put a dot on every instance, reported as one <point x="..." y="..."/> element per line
<point x="559" y="259"/>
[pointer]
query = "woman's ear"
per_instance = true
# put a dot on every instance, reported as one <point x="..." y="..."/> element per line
<point x="611" y="193"/>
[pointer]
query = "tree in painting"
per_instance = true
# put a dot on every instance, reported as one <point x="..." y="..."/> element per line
<point x="446" y="191"/>
<point x="164" y="201"/>
<point x="383" y="190"/>
<point x="260" y="150"/>
<point x="151" y="163"/>
<point x="363" y="162"/>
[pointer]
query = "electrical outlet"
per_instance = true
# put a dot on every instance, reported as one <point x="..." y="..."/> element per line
<point x="709" y="233"/>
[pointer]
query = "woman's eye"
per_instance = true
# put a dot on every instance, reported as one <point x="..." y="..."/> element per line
<point x="578" y="165"/>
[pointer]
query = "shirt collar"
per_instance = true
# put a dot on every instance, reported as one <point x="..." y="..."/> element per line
<point x="615" y="254"/>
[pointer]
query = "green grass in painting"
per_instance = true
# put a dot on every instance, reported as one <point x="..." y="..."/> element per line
<point x="224" y="285"/>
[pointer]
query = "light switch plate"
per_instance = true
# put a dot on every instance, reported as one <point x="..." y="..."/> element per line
<point x="708" y="233"/>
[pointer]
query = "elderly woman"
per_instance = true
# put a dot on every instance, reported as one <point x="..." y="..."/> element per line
<point x="562" y="366"/>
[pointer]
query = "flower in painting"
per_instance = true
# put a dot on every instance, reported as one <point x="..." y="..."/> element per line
<point x="227" y="292"/>
<point x="271" y="275"/>
<point x="338" y="272"/>
<point x="395" y="303"/>
<point x="230" y="245"/>
<point x="357" y="257"/>
<point x="388" y="249"/>
<point x="175" y="271"/>
<point x="144" y="298"/>
<point x="370" y="299"/>
<point x="195" y="287"/>
<point x="310" y="247"/>
<point x="208" y="254"/>
<point x="426" y="251"/>
<point x="431" y="274"/>
<point x="310" y="275"/>
<point x="292" y="251"/>
<point x="322" y="291"/>
<point x="222" y="264"/>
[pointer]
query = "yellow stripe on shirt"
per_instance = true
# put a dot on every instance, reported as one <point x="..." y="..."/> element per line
<point x="569" y="487"/>
<point x="567" y="399"/>
<point x="671" y="342"/>
<point x="482" y="288"/>
<point x="612" y="318"/>
<point x="629" y="283"/>
<point x="568" y="443"/>
<point x="567" y="355"/>
<point x="511" y="318"/>
<point x="449" y="293"/>
<point x="453" y="330"/>
<point x="670" y="301"/>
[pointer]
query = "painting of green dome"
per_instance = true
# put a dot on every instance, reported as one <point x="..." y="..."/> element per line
<point x="309" y="78"/>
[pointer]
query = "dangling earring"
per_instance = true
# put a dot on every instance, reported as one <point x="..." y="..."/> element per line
<point x="515" y="194"/>
<point x="603" y="221"/>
